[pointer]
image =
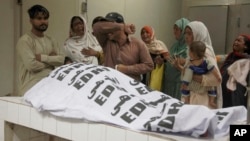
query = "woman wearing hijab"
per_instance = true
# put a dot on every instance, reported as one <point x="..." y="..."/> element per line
<point x="197" y="31"/>
<point x="171" y="80"/>
<point x="79" y="41"/>
<point x="241" y="50"/>
<point x="156" y="48"/>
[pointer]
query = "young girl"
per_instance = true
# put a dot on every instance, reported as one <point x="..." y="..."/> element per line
<point x="198" y="64"/>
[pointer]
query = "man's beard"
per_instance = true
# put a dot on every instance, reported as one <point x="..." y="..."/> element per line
<point x="41" y="28"/>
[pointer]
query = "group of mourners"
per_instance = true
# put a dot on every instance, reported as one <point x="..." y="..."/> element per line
<point x="188" y="70"/>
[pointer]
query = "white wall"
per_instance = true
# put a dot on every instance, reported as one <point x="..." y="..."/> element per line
<point x="6" y="46"/>
<point x="61" y="12"/>
<point x="161" y="14"/>
<point x="237" y="22"/>
<point x="139" y="12"/>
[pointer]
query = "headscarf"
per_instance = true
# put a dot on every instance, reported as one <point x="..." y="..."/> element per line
<point x="155" y="46"/>
<point x="247" y="43"/>
<point x="200" y="33"/>
<point x="179" y="47"/>
<point x="172" y="77"/>
<point x="235" y="55"/>
<point x="150" y="31"/>
<point x="246" y="35"/>
<point x="74" y="44"/>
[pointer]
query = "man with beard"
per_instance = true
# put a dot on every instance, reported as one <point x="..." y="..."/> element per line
<point x="38" y="54"/>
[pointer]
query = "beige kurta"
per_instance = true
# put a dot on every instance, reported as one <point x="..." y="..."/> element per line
<point x="30" y="71"/>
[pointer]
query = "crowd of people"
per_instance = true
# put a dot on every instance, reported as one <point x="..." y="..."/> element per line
<point x="187" y="71"/>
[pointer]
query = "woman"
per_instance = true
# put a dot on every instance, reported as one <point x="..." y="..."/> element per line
<point x="171" y="80"/>
<point x="156" y="48"/>
<point x="79" y="40"/>
<point x="197" y="31"/>
<point x="241" y="50"/>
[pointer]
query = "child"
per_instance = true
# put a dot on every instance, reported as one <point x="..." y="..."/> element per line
<point x="198" y="64"/>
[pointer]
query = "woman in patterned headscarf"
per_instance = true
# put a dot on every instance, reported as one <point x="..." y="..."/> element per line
<point x="156" y="48"/>
<point x="81" y="39"/>
<point x="171" y="82"/>
<point x="197" y="31"/>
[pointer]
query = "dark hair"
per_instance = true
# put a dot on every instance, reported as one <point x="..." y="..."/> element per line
<point x="198" y="48"/>
<point x="114" y="16"/>
<point x="247" y="44"/>
<point x="67" y="60"/>
<point x="73" y="19"/>
<point x="36" y="9"/>
<point x="97" y="19"/>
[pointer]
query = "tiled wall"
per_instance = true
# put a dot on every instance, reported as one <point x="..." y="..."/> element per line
<point x="20" y="122"/>
<point x="16" y="116"/>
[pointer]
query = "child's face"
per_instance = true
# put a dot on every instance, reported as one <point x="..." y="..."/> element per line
<point x="192" y="55"/>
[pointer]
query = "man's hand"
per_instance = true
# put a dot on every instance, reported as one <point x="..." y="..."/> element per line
<point x="129" y="28"/>
<point x="121" y="68"/>
<point x="133" y="29"/>
<point x="38" y="57"/>
<point x="53" y="53"/>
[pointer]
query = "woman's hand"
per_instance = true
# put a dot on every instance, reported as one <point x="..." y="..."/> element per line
<point x="178" y="63"/>
<point x="89" y="52"/>
<point x="158" y="60"/>
<point x="197" y="78"/>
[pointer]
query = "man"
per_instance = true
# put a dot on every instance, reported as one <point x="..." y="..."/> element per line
<point x="38" y="54"/>
<point x="127" y="54"/>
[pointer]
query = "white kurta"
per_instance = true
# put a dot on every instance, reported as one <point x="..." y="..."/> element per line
<point x="73" y="46"/>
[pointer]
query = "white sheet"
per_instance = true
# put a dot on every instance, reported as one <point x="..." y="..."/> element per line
<point x="101" y="94"/>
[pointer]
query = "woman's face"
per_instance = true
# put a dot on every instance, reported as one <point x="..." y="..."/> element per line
<point x="189" y="37"/>
<point x="145" y="36"/>
<point x="78" y="27"/>
<point x="239" y="44"/>
<point x="177" y="32"/>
